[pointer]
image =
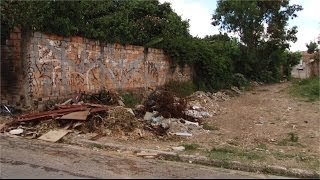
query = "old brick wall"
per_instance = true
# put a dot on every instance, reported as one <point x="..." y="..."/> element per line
<point x="59" y="67"/>
<point x="12" y="76"/>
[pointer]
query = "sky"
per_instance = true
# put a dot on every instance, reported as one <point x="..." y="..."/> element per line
<point x="199" y="12"/>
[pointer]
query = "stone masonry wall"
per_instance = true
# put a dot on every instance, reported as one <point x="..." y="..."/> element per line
<point x="60" y="67"/>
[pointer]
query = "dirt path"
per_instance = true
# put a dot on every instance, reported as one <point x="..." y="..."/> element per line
<point x="266" y="115"/>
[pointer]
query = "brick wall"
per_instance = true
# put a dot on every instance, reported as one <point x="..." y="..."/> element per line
<point x="12" y="76"/>
<point x="59" y="67"/>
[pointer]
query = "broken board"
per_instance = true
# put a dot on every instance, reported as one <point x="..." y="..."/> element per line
<point x="79" y="115"/>
<point x="54" y="135"/>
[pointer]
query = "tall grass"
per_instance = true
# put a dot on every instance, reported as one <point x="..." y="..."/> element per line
<point x="307" y="88"/>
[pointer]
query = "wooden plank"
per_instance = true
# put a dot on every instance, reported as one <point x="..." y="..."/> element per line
<point x="54" y="135"/>
<point x="79" y="115"/>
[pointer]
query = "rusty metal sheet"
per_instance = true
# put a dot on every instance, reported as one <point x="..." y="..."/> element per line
<point x="79" y="115"/>
<point x="48" y="114"/>
<point x="54" y="135"/>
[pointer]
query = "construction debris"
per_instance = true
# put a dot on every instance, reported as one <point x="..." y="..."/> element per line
<point x="104" y="113"/>
<point x="80" y="115"/>
<point x="54" y="135"/>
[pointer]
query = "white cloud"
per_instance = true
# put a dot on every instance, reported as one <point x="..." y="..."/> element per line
<point x="198" y="14"/>
<point x="308" y="22"/>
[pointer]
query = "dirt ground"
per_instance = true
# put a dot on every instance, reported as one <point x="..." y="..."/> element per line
<point x="281" y="129"/>
<point x="265" y="126"/>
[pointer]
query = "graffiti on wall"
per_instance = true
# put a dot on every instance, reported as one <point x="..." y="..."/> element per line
<point x="62" y="67"/>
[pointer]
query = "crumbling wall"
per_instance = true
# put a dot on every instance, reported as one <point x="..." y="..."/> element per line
<point x="58" y="67"/>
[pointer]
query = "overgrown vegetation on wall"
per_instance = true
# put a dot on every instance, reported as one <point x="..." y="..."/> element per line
<point x="219" y="61"/>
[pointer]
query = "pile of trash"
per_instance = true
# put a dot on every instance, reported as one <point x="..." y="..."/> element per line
<point x="104" y="113"/>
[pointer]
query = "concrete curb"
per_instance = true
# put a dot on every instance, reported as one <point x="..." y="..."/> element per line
<point x="235" y="165"/>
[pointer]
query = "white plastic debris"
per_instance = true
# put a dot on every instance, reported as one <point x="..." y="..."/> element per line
<point x="16" y="131"/>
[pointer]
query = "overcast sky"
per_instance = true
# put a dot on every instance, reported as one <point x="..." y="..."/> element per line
<point x="199" y="12"/>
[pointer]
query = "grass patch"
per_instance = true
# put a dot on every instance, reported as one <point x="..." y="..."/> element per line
<point x="207" y="126"/>
<point x="291" y="140"/>
<point x="181" y="89"/>
<point x="231" y="153"/>
<point x="130" y="99"/>
<point x="262" y="146"/>
<point x="307" y="88"/>
<point x="99" y="146"/>
<point x="191" y="147"/>
<point x="173" y="158"/>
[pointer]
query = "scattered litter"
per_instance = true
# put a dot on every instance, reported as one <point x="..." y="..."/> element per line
<point x="16" y="131"/>
<point x="54" y="135"/>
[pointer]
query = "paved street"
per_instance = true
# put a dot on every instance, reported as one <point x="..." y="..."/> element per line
<point x="23" y="158"/>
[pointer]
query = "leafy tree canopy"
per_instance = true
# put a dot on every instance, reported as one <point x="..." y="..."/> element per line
<point x="128" y="22"/>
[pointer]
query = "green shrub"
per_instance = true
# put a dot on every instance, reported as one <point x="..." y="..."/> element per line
<point x="239" y="80"/>
<point x="181" y="89"/>
<point x="130" y="100"/>
<point x="307" y="88"/>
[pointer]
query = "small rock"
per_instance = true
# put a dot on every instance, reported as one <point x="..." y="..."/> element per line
<point x="16" y="131"/>
<point x="148" y="116"/>
<point x="121" y="103"/>
<point x="179" y="148"/>
<point x="139" y="107"/>
<point x="183" y="134"/>
<point x="130" y="110"/>
<point x="149" y="157"/>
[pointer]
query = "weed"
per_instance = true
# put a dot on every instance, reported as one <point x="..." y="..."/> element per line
<point x="173" y="158"/>
<point x="307" y="88"/>
<point x="207" y="126"/>
<point x="293" y="137"/>
<point x="130" y="99"/>
<point x="99" y="146"/>
<point x="292" y="140"/>
<point x="262" y="146"/>
<point x="181" y="89"/>
<point x="190" y="147"/>
<point x="228" y="153"/>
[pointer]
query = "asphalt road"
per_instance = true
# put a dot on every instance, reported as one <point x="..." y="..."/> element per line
<point x="24" y="158"/>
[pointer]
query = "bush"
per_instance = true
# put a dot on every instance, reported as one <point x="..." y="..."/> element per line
<point x="130" y="99"/>
<point x="181" y="89"/>
<point x="239" y="80"/>
<point x="308" y="88"/>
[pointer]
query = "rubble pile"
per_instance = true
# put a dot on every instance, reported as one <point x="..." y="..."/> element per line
<point x="162" y="114"/>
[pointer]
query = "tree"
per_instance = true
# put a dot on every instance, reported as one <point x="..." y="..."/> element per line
<point x="312" y="47"/>
<point x="262" y="28"/>
<point x="127" y="22"/>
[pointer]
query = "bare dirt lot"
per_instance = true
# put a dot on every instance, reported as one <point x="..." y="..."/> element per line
<point x="265" y="125"/>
